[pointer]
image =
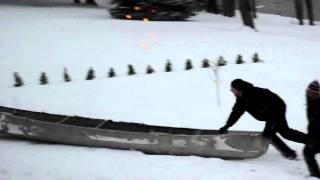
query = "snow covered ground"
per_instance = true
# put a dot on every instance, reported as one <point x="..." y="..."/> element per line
<point x="35" y="39"/>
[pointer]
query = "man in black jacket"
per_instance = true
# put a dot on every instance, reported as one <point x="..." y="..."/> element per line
<point x="313" y="114"/>
<point x="264" y="105"/>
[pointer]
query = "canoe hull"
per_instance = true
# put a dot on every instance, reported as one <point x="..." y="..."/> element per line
<point x="234" y="145"/>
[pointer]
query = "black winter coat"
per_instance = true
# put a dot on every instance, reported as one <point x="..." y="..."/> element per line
<point x="313" y="114"/>
<point x="261" y="103"/>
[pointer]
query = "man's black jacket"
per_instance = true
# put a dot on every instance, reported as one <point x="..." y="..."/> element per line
<point x="262" y="104"/>
<point x="313" y="113"/>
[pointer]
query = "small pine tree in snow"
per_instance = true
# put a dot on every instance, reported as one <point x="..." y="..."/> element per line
<point x="221" y="61"/>
<point x="168" y="67"/>
<point x="239" y="60"/>
<point x="255" y="58"/>
<point x="90" y="74"/>
<point x="205" y="63"/>
<point x="131" y="70"/>
<point x="111" y="73"/>
<point x="66" y="76"/>
<point x="18" y="80"/>
<point x="188" y="64"/>
<point x="43" y="79"/>
<point x="156" y="10"/>
<point x="149" y="70"/>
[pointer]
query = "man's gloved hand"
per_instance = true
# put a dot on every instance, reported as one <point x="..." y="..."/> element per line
<point x="223" y="130"/>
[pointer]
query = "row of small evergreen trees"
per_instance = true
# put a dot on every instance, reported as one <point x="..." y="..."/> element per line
<point x="43" y="80"/>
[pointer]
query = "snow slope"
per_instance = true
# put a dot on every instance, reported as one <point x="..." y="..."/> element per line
<point x="46" y="39"/>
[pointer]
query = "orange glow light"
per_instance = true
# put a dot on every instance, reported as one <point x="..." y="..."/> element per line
<point x="128" y="16"/>
<point x="145" y="20"/>
<point x="137" y="8"/>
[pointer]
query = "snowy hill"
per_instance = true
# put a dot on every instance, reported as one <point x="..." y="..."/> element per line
<point x="46" y="39"/>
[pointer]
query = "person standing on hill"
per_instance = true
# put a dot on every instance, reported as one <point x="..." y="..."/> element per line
<point x="313" y="115"/>
<point x="298" y="4"/>
<point x="267" y="106"/>
<point x="246" y="10"/>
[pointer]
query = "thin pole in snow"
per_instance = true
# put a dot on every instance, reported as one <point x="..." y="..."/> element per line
<point x="215" y="68"/>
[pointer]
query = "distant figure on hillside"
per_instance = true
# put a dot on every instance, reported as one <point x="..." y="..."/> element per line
<point x="246" y="11"/>
<point x="299" y="10"/>
<point x="267" y="106"/>
<point x="313" y="114"/>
